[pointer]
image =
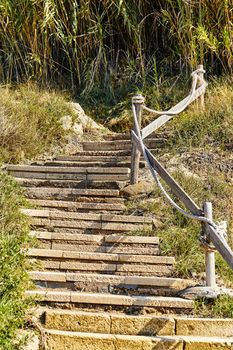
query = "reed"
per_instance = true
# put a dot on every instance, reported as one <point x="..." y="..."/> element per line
<point x="80" y="43"/>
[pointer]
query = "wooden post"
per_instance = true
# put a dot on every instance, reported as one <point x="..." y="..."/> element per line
<point x="201" y="75"/>
<point x="209" y="253"/>
<point x="137" y="101"/>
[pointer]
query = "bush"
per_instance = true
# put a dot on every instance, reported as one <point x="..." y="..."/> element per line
<point x="30" y="121"/>
<point x="14" y="230"/>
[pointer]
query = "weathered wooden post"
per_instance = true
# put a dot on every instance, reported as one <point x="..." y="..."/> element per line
<point x="201" y="75"/>
<point x="137" y="101"/>
<point x="209" y="251"/>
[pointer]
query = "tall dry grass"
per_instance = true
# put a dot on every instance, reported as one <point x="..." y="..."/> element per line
<point x="84" y="42"/>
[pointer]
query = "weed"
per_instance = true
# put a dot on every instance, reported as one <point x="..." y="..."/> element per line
<point x="14" y="236"/>
<point x="222" y="306"/>
<point x="179" y="235"/>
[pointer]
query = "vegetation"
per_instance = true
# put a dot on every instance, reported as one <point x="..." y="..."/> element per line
<point x="180" y="235"/>
<point x="89" y="43"/>
<point x="14" y="230"/>
<point x="30" y="121"/>
<point x="104" y="52"/>
<point x="222" y="306"/>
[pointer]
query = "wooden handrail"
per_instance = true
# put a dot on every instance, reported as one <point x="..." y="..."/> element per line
<point x="205" y="216"/>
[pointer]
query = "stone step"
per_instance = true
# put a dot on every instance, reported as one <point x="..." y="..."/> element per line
<point x="168" y="282"/>
<point x="71" y="179"/>
<point x="113" y="283"/>
<point x="60" y="340"/>
<point x="103" y="262"/>
<point x="113" y="244"/>
<point x="91" y="158"/>
<point x="92" y="184"/>
<point x="118" y="258"/>
<point x="117" y="136"/>
<point x="59" y="214"/>
<point x="127" y="136"/>
<point x="89" y="299"/>
<point x="109" y="153"/>
<point x="67" y="176"/>
<point x="57" y="219"/>
<point x="91" y="163"/>
<point x="75" y="194"/>
<point x="119" y="144"/>
<point x="105" y="267"/>
<point x="78" y="206"/>
<point x="113" y="323"/>
<point x="65" y="170"/>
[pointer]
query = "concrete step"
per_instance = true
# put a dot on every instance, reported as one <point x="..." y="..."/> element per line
<point x="93" y="158"/>
<point x="118" y="264"/>
<point x="59" y="214"/>
<point x="64" y="170"/>
<point x="66" y="175"/>
<point x="92" y="163"/>
<point x="127" y="136"/>
<point x="117" y="136"/>
<point x="119" y="144"/>
<point x="114" y="244"/>
<point x="113" y="323"/>
<point x="105" y="267"/>
<point x="110" y="283"/>
<point x="56" y="219"/>
<point x="88" y="256"/>
<point x="92" y="184"/>
<point x="90" y="299"/>
<point x="60" y="340"/>
<point x="78" y="206"/>
<point x="75" y="194"/>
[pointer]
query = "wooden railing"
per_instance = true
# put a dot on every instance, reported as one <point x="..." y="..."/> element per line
<point x="211" y="238"/>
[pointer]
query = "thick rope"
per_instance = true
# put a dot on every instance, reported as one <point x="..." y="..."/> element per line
<point x="195" y="79"/>
<point x="154" y="172"/>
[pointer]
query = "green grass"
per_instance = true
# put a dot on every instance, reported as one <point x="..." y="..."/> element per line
<point x="30" y="121"/>
<point x="211" y="126"/>
<point x="222" y="306"/>
<point x="180" y="235"/>
<point x="14" y="230"/>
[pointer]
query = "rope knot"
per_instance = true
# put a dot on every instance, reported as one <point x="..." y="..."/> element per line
<point x="198" y="70"/>
<point x="138" y="99"/>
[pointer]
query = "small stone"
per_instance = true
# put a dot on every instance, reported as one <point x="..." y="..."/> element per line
<point x="66" y="122"/>
<point x="139" y="189"/>
<point x="78" y="129"/>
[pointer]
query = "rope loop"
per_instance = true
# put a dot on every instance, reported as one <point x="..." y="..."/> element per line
<point x="198" y="70"/>
<point x="138" y="99"/>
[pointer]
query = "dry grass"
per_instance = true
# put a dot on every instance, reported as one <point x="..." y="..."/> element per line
<point x="30" y="121"/>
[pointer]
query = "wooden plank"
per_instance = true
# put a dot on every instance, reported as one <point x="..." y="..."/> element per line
<point x="135" y="153"/>
<point x="157" y="123"/>
<point x="170" y="181"/>
<point x="221" y="245"/>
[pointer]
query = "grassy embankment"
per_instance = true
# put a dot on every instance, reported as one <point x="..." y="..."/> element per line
<point x="29" y="127"/>
<point x="14" y="280"/>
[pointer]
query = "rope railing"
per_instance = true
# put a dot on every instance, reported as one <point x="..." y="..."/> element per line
<point x="211" y="235"/>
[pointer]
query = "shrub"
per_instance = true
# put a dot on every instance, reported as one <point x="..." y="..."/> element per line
<point x="14" y="279"/>
<point x="30" y="121"/>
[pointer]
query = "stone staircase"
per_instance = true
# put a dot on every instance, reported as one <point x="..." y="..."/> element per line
<point x="95" y="260"/>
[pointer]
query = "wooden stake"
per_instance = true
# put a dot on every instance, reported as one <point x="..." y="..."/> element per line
<point x="201" y="75"/>
<point x="137" y="101"/>
<point x="209" y="253"/>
